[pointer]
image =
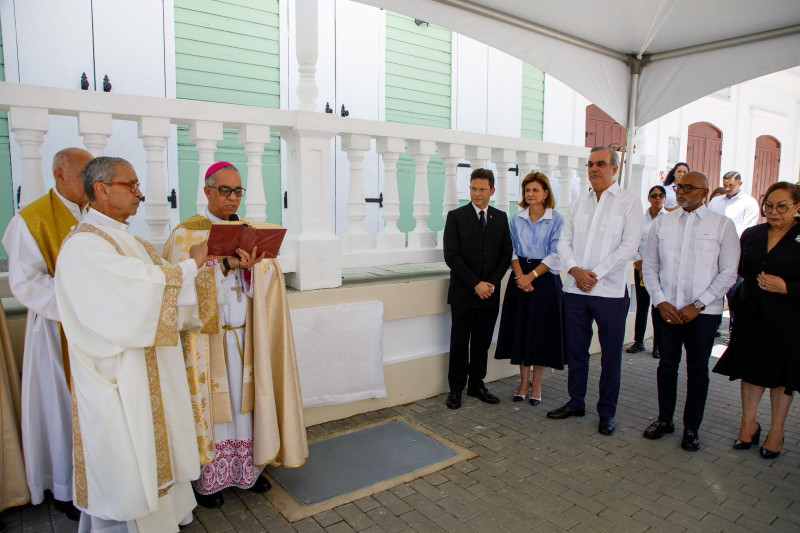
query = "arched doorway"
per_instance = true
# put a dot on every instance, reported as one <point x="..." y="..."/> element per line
<point x="704" y="151"/>
<point x="601" y="129"/>
<point x="766" y="167"/>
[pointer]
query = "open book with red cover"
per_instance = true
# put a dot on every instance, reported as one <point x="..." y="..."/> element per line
<point x="226" y="237"/>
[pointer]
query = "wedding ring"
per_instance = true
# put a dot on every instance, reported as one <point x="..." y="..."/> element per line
<point x="669" y="321"/>
<point x="763" y="285"/>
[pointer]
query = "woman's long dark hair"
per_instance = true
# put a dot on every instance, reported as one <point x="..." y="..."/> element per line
<point x="670" y="179"/>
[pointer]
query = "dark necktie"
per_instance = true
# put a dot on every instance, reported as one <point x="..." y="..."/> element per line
<point x="483" y="220"/>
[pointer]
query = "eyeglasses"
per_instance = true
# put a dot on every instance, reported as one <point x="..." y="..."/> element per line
<point x="781" y="208"/>
<point x="226" y="191"/>
<point x="132" y="185"/>
<point x="599" y="164"/>
<point x="657" y="196"/>
<point x="688" y="189"/>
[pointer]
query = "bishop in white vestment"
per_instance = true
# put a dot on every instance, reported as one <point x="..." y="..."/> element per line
<point x="122" y="308"/>
<point x="32" y="240"/>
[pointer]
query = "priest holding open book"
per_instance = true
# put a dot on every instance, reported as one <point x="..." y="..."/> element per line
<point x="242" y="370"/>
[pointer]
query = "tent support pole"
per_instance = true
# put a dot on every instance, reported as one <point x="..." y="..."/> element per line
<point x="633" y="100"/>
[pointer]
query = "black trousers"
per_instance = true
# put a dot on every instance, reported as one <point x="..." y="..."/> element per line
<point x="698" y="338"/>
<point x="643" y="308"/>
<point x="470" y="338"/>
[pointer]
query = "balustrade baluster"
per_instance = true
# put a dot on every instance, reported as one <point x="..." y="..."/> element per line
<point x="451" y="154"/>
<point x="583" y="175"/>
<point x="95" y="128"/>
<point x="526" y="162"/>
<point x="547" y="166"/>
<point x="29" y="125"/>
<point x="205" y="135"/>
<point x="422" y="236"/>
<point x="567" y="166"/>
<point x="254" y="137"/>
<point x="390" y="237"/>
<point x="154" y="132"/>
<point x="503" y="159"/>
<point x="356" y="237"/>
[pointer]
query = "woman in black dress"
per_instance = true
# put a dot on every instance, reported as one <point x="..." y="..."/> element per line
<point x="530" y="325"/>
<point x="763" y="347"/>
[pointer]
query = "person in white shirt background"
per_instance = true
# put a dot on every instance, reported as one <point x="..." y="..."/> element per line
<point x="673" y="177"/>
<point x="602" y="230"/>
<point x="690" y="262"/>
<point x="656" y="197"/>
<point x="743" y="210"/>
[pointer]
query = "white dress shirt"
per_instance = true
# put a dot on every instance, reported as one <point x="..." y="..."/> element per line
<point x="742" y="209"/>
<point x="602" y="237"/>
<point x="646" y="225"/>
<point x="691" y="256"/>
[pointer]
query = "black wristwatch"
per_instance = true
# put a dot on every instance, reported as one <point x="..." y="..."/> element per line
<point x="699" y="305"/>
<point x="226" y="265"/>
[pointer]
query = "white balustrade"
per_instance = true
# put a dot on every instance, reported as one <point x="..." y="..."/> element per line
<point x="95" y="128"/>
<point x="567" y="166"/>
<point x="526" y="162"/>
<point x="254" y="137"/>
<point x="547" y="166"/>
<point x="390" y="237"/>
<point x="422" y="236"/>
<point x="478" y="156"/>
<point x="356" y="237"/>
<point x="154" y="132"/>
<point x="503" y="158"/>
<point x="29" y="124"/>
<point x="451" y="154"/>
<point x="205" y="135"/>
<point x="583" y="176"/>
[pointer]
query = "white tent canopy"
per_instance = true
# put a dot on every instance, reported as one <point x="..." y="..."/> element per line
<point x="681" y="49"/>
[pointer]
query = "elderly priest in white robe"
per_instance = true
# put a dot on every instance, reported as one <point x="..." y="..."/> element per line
<point x="32" y="240"/>
<point x="250" y="412"/>
<point x="122" y="308"/>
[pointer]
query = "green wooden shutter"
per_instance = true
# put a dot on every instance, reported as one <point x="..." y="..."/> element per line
<point x="228" y="51"/>
<point x="7" y="197"/>
<point x="418" y="85"/>
<point x="532" y="102"/>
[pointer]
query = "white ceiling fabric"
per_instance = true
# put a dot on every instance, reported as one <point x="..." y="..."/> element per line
<point x="622" y="26"/>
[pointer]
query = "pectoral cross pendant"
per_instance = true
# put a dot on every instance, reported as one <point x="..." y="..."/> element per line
<point x="238" y="290"/>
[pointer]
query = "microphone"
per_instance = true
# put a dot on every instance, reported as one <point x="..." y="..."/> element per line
<point x="141" y="199"/>
<point x="234" y="217"/>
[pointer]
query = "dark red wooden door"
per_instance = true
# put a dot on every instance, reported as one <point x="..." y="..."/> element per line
<point x="704" y="151"/>
<point x="766" y="167"/>
<point x="601" y="129"/>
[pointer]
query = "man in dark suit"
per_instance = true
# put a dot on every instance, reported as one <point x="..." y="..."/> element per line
<point x="477" y="248"/>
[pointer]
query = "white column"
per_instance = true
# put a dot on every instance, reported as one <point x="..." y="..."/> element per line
<point x="254" y="137"/>
<point x="526" y="162"/>
<point x="583" y="175"/>
<point x="95" y="128"/>
<point x="390" y="237"/>
<point x="452" y="154"/>
<point x="205" y="135"/>
<point x="356" y="237"/>
<point x="478" y="156"/>
<point x="154" y="132"/>
<point x="307" y="28"/>
<point x="422" y="236"/>
<point x="310" y="234"/>
<point x="503" y="158"/>
<point x="567" y="166"/>
<point x="547" y="166"/>
<point x="29" y="125"/>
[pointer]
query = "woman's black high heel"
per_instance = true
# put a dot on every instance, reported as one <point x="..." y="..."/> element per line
<point x="769" y="454"/>
<point x="743" y="445"/>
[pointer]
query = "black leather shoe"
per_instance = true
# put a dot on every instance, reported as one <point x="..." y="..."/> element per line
<point x="690" y="442"/>
<point x="658" y="429"/>
<point x="212" y="501"/>
<point x="261" y="486"/>
<point x="483" y="395"/>
<point x="68" y="509"/>
<point x="743" y="445"/>
<point x="606" y="426"/>
<point x="636" y="347"/>
<point x="656" y="353"/>
<point x="565" y="411"/>
<point x="769" y="454"/>
<point x="453" y="400"/>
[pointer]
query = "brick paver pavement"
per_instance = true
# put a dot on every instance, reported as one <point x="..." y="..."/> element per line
<point x="535" y="474"/>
